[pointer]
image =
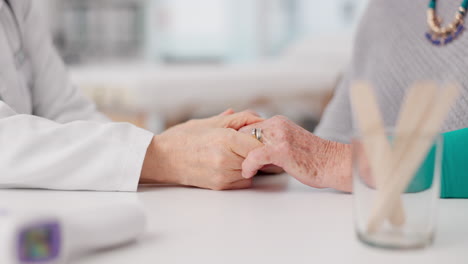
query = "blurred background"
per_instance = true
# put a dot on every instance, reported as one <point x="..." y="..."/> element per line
<point x="156" y="63"/>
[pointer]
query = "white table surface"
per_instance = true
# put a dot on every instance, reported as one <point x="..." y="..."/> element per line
<point x="278" y="221"/>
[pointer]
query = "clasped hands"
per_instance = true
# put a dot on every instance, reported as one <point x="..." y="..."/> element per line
<point x="219" y="153"/>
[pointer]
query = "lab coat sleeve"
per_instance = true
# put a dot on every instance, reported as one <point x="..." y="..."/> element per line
<point x="337" y="121"/>
<point x="80" y="155"/>
<point x="54" y="97"/>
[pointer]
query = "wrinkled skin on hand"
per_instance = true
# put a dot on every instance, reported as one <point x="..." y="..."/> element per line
<point x="311" y="160"/>
<point x="206" y="153"/>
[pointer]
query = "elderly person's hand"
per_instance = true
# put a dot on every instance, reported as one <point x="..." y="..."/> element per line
<point x="205" y="153"/>
<point x="311" y="160"/>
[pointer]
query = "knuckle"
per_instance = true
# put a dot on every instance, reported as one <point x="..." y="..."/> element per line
<point x="276" y="118"/>
<point x="280" y="120"/>
<point x="252" y="113"/>
<point x="285" y="148"/>
<point x="243" y="115"/>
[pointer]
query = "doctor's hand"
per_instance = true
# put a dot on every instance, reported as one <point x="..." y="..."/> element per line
<point x="311" y="160"/>
<point x="206" y="153"/>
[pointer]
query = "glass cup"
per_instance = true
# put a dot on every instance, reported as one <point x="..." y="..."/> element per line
<point x="415" y="225"/>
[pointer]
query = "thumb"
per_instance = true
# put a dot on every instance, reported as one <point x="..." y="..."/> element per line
<point x="256" y="160"/>
<point x="239" y="120"/>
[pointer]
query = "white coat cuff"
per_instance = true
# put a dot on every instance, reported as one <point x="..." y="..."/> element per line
<point x="134" y="161"/>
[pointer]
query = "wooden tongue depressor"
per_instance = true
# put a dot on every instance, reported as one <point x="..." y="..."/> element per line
<point x="374" y="139"/>
<point x="419" y="145"/>
<point x="412" y="114"/>
<point x="410" y="118"/>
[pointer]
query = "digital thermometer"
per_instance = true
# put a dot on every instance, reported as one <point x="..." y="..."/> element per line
<point x="48" y="238"/>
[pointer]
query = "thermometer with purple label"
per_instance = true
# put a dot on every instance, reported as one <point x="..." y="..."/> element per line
<point x="48" y="238"/>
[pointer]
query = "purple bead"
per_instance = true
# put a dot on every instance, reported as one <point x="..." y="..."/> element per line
<point x="436" y="42"/>
<point x="448" y="39"/>
<point x="460" y="28"/>
<point x="429" y="36"/>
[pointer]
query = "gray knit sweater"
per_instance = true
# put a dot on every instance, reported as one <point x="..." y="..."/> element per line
<point x="392" y="53"/>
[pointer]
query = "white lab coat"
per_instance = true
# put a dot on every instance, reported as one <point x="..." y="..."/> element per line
<point x="50" y="135"/>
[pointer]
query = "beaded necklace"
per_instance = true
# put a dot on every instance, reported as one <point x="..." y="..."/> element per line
<point x="439" y="35"/>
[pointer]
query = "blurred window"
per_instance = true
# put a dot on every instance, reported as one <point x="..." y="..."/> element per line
<point x="186" y="31"/>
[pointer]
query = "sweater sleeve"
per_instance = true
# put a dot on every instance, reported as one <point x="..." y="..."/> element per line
<point x="455" y="165"/>
<point x="336" y="124"/>
<point x="454" y="178"/>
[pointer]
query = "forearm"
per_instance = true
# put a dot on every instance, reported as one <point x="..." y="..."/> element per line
<point x="337" y="171"/>
<point x="153" y="170"/>
<point x="148" y="169"/>
<point x="454" y="182"/>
